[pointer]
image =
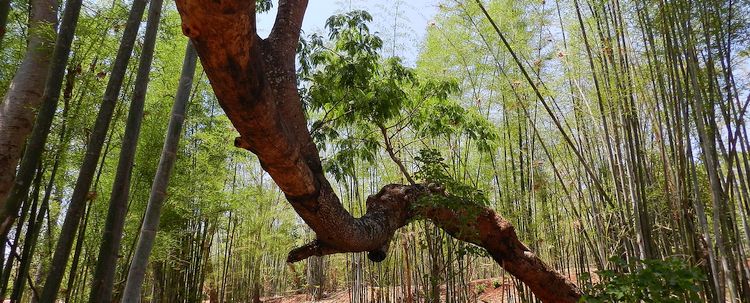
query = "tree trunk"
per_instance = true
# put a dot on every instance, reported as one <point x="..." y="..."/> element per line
<point x="40" y="132"/>
<point x="18" y="109"/>
<point x="73" y="273"/>
<point x="103" y="280"/>
<point x="93" y="151"/>
<point x="255" y="82"/>
<point x="4" y="11"/>
<point x="137" y="272"/>
<point x="32" y="234"/>
<point x="30" y="204"/>
<point x="316" y="277"/>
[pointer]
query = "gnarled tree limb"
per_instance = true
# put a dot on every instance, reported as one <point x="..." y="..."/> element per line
<point x="255" y="83"/>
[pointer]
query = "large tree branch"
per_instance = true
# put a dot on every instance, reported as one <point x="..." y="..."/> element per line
<point x="482" y="226"/>
<point x="224" y="34"/>
<point x="286" y="29"/>
<point x="280" y="50"/>
<point x="255" y="84"/>
<point x="466" y="221"/>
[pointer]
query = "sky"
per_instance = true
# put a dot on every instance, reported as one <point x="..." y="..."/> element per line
<point x="411" y="18"/>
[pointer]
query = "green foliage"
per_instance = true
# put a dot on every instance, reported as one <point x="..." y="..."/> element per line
<point x="351" y="89"/>
<point x="468" y="249"/>
<point x="225" y="222"/>
<point x="433" y="170"/>
<point x="351" y="149"/>
<point x="496" y="283"/>
<point x="480" y="288"/>
<point x="353" y="95"/>
<point x="351" y="82"/>
<point x="670" y="280"/>
<point x="262" y="6"/>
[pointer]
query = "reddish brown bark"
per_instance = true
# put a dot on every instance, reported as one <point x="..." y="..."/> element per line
<point x="255" y="82"/>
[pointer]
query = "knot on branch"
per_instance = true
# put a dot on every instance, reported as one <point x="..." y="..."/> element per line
<point x="240" y="142"/>
<point x="313" y="248"/>
<point x="379" y="254"/>
<point x="387" y="211"/>
<point x="318" y="248"/>
<point x="190" y="31"/>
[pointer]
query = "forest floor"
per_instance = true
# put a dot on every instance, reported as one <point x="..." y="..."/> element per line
<point x="483" y="291"/>
<point x="478" y="291"/>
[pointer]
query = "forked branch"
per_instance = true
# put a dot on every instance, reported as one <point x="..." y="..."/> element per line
<point x="256" y="86"/>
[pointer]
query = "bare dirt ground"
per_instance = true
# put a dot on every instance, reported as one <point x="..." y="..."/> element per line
<point x="481" y="291"/>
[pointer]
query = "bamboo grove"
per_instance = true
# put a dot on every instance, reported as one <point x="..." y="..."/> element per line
<point x="611" y="134"/>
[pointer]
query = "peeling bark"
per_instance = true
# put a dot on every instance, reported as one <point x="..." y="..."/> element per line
<point x="255" y="82"/>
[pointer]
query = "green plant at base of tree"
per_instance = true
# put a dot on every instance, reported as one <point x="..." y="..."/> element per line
<point x="664" y="281"/>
